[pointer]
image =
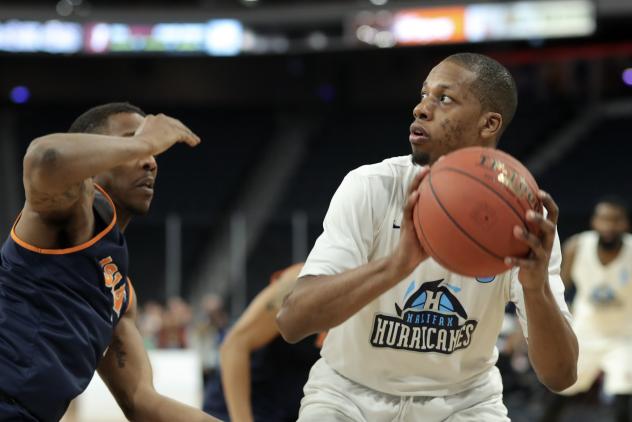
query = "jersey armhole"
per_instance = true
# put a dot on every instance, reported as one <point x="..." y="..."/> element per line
<point x="131" y="294"/>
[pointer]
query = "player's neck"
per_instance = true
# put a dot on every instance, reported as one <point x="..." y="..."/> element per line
<point x="607" y="255"/>
<point x="123" y="217"/>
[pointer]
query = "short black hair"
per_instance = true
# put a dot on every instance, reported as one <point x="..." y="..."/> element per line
<point x="494" y="85"/>
<point x="95" y="119"/>
<point x="616" y="201"/>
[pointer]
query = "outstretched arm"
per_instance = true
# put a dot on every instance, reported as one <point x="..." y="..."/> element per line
<point x="57" y="165"/>
<point x="254" y="329"/>
<point x="319" y="303"/>
<point x="126" y="371"/>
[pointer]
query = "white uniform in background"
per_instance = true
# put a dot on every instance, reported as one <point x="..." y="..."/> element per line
<point x="603" y="316"/>
<point x="423" y="351"/>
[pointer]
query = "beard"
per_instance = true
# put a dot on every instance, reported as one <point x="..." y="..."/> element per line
<point x="611" y="244"/>
<point x="420" y="158"/>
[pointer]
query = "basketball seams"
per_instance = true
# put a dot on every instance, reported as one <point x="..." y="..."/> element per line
<point x="457" y="170"/>
<point x="457" y="225"/>
<point x="426" y="244"/>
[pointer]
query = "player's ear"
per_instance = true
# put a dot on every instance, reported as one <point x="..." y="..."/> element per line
<point x="490" y="126"/>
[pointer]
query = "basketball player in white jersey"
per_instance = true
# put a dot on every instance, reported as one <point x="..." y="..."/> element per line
<point x="599" y="264"/>
<point x="408" y="340"/>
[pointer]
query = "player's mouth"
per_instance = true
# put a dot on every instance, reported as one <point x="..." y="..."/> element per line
<point x="146" y="184"/>
<point x="418" y="134"/>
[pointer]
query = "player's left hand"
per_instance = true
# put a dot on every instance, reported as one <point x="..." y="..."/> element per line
<point x="534" y="269"/>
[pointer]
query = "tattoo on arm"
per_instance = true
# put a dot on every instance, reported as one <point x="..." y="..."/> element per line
<point x="119" y="353"/>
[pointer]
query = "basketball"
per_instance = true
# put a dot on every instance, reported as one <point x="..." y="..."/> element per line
<point x="468" y="206"/>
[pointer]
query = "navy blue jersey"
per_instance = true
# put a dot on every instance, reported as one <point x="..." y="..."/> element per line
<point x="279" y="371"/>
<point x="58" y="311"/>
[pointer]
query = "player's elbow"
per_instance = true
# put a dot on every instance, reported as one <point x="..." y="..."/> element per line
<point x="41" y="161"/>
<point x="562" y="379"/>
<point x="289" y="323"/>
<point x="233" y="343"/>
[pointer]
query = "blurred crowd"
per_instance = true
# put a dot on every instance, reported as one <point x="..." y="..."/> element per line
<point x="176" y="325"/>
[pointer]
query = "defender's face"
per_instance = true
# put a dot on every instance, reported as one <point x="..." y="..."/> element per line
<point x="448" y="116"/>
<point x="131" y="185"/>
<point x="610" y="222"/>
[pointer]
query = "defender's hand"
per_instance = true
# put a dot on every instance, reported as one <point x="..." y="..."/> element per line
<point x="161" y="132"/>
<point x="409" y="253"/>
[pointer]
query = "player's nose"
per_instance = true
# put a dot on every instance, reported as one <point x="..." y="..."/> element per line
<point x="423" y="111"/>
<point x="149" y="163"/>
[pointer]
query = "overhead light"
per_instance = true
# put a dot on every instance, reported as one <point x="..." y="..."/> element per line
<point x="379" y="2"/>
<point x="317" y="40"/>
<point x="64" y="8"/>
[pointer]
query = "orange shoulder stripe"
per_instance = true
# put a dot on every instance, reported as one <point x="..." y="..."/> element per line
<point x="132" y="294"/>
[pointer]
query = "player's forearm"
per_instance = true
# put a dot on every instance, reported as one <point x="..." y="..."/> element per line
<point x="235" y="366"/>
<point x="154" y="407"/>
<point x="56" y="161"/>
<point x="319" y="303"/>
<point x="553" y="346"/>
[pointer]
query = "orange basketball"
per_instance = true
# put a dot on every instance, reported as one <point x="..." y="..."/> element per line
<point x="468" y="205"/>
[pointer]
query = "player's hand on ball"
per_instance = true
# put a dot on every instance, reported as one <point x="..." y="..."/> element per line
<point x="534" y="269"/>
<point x="409" y="253"/>
<point x="161" y="132"/>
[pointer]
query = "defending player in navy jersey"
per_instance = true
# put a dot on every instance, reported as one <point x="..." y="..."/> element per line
<point x="67" y="305"/>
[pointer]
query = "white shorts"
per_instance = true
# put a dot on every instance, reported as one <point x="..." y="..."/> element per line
<point x="333" y="398"/>
<point x="613" y="356"/>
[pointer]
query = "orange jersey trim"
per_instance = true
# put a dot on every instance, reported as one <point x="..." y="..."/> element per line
<point x="73" y="249"/>
<point x="132" y="294"/>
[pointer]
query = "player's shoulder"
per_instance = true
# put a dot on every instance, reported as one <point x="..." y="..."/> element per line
<point x="579" y="240"/>
<point x="384" y="180"/>
<point x="585" y="236"/>
<point x="395" y="168"/>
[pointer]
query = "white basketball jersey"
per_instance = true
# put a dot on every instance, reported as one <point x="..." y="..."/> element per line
<point x="435" y="332"/>
<point x="603" y="304"/>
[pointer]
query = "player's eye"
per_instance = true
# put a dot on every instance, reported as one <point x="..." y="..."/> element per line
<point x="445" y="99"/>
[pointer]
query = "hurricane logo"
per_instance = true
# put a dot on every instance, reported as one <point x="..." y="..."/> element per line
<point x="431" y="296"/>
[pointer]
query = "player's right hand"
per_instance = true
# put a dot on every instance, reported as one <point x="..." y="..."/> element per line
<point x="409" y="252"/>
<point x="161" y="132"/>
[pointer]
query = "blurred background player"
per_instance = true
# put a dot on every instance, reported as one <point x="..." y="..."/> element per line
<point x="262" y="376"/>
<point x="598" y="263"/>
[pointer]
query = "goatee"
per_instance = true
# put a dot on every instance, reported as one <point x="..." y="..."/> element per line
<point x="610" y="244"/>
<point x="420" y="158"/>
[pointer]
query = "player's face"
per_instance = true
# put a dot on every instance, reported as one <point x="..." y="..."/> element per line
<point x="448" y="116"/>
<point x="131" y="185"/>
<point x="610" y="222"/>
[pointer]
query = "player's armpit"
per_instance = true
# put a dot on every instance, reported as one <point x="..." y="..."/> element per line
<point x="54" y="205"/>
<point x="127" y="372"/>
